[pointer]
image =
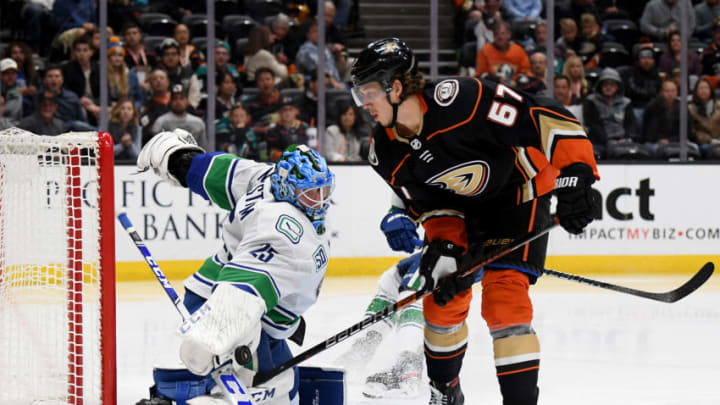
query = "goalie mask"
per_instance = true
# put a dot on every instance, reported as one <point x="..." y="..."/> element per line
<point x="302" y="178"/>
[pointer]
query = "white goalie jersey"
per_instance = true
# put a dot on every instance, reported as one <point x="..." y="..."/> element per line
<point x="270" y="248"/>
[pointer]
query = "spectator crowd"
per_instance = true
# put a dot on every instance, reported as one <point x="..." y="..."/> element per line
<point x="616" y="68"/>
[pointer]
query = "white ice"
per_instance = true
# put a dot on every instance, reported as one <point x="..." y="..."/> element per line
<point x="597" y="347"/>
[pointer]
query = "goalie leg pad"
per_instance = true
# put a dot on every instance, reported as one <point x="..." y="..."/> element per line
<point x="229" y="318"/>
<point x="179" y="385"/>
<point x="322" y="386"/>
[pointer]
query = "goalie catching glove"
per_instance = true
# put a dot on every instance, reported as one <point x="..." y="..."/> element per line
<point x="230" y="318"/>
<point x="440" y="260"/>
<point x="577" y="203"/>
<point x="156" y="153"/>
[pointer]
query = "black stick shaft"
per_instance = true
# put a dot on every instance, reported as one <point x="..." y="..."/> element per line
<point x="389" y="310"/>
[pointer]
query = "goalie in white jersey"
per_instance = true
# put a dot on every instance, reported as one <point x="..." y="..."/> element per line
<point x="269" y="269"/>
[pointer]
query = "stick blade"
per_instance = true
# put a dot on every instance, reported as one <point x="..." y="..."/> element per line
<point x="691" y="285"/>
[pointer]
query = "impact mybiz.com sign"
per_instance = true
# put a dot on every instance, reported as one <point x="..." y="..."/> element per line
<point x="659" y="215"/>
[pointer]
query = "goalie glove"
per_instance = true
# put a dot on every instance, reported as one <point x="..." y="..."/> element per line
<point x="230" y="318"/>
<point x="400" y="231"/>
<point x="577" y="204"/>
<point x="440" y="259"/>
<point x="156" y="153"/>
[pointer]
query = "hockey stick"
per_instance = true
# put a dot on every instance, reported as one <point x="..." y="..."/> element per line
<point x="671" y="296"/>
<point x="389" y="310"/>
<point x="159" y="275"/>
<point x="226" y="380"/>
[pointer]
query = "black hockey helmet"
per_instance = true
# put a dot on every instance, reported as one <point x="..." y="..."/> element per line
<point x="380" y="60"/>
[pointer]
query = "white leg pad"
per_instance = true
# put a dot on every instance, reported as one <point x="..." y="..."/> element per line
<point x="229" y="318"/>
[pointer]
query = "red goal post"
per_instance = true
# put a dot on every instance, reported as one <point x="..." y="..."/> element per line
<point x="57" y="269"/>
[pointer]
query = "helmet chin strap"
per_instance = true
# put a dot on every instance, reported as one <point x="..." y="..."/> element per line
<point x="395" y="107"/>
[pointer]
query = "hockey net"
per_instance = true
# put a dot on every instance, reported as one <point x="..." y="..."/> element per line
<point x="57" y="269"/>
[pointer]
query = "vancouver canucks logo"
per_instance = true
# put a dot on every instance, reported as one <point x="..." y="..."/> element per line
<point x="466" y="179"/>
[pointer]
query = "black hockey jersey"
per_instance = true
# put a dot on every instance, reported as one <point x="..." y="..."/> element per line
<point x="480" y="142"/>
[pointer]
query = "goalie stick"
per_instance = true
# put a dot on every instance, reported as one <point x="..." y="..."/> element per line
<point x="226" y="380"/>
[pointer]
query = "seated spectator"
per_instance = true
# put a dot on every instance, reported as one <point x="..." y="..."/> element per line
<point x="27" y="77"/>
<point x="9" y="90"/>
<point x="608" y="115"/>
<point x="43" y="120"/>
<point x="488" y="12"/>
<point x="308" y="103"/>
<point x="671" y="59"/>
<point x="257" y="54"/>
<point x="662" y="16"/>
<point x="62" y="43"/>
<point x="643" y="80"/>
<point x="574" y="9"/>
<point x="591" y="40"/>
<point x="287" y="131"/>
<point x="177" y="73"/>
<point x="125" y="130"/>
<point x="38" y="26"/>
<point x="136" y="56"/>
<point x="69" y="109"/>
<point x="285" y="46"/>
<point x="307" y="56"/>
<point x="523" y="9"/>
<point x="704" y="115"/>
<point x="82" y="77"/>
<point x="5" y="123"/>
<point x="574" y="71"/>
<point x="562" y="93"/>
<point x="534" y="82"/>
<point x="661" y="121"/>
<point x="157" y="104"/>
<point x="222" y="59"/>
<point x="344" y="141"/>
<point x="538" y="44"/>
<point x="266" y="103"/>
<point x="224" y="96"/>
<point x="122" y="82"/>
<point x="93" y="37"/>
<point x="569" y="42"/>
<point x="235" y="136"/>
<point x="178" y="117"/>
<point x="707" y="14"/>
<point x="502" y="60"/>
<point x="334" y="34"/>
<point x="710" y="59"/>
<point x="67" y="14"/>
<point x="189" y="55"/>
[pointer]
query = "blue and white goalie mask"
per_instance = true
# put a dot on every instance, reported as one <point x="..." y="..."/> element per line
<point x="302" y="178"/>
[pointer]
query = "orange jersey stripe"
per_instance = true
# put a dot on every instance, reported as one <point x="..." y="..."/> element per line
<point x="519" y="371"/>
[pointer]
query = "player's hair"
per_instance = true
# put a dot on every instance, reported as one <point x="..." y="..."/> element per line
<point x="412" y="83"/>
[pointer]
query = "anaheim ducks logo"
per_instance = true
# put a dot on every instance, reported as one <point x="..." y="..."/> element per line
<point x="466" y="179"/>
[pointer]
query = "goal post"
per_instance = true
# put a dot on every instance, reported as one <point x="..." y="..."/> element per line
<point x="57" y="269"/>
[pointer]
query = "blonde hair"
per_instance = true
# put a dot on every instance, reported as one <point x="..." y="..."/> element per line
<point x="119" y="81"/>
<point x="566" y="69"/>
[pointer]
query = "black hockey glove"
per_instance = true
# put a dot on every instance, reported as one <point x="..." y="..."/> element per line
<point x="439" y="260"/>
<point x="577" y="204"/>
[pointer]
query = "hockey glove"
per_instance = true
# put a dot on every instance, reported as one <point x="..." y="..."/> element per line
<point x="440" y="259"/>
<point x="156" y="153"/>
<point x="577" y="204"/>
<point x="400" y="231"/>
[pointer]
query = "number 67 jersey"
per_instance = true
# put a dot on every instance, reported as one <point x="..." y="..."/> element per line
<point x="480" y="142"/>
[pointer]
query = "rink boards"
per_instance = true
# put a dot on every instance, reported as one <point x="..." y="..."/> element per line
<point x="659" y="219"/>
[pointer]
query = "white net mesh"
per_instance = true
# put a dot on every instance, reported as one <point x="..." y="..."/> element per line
<point x="49" y="269"/>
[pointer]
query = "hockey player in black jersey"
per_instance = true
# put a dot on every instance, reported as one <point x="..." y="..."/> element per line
<point x="475" y="163"/>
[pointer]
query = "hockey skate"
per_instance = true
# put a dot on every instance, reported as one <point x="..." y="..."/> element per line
<point x="449" y="394"/>
<point x="402" y="380"/>
<point x="362" y="349"/>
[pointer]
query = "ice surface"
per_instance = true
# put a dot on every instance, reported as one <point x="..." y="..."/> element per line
<point x="597" y="347"/>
